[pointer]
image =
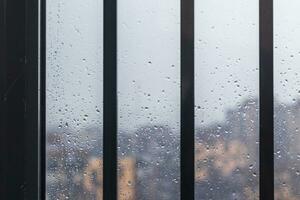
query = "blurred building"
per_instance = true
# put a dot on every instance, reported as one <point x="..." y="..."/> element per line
<point x="226" y="159"/>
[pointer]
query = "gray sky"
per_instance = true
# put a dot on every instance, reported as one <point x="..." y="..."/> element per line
<point x="287" y="50"/>
<point x="226" y="59"/>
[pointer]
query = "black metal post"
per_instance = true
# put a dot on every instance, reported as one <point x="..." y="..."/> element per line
<point x="187" y="100"/>
<point x="266" y="100"/>
<point x="42" y="79"/>
<point x="31" y="100"/>
<point x="110" y="101"/>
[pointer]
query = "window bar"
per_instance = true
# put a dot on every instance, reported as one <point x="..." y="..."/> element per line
<point x="187" y="99"/>
<point x="110" y="101"/>
<point x="3" y="106"/>
<point x="42" y="122"/>
<point x="31" y="98"/>
<point x="266" y="100"/>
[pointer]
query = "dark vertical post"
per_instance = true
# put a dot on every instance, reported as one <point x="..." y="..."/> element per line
<point x="3" y="106"/>
<point x="42" y="79"/>
<point x="187" y="99"/>
<point x="266" y="101"/>
<point x="31" y="100"/>
<point x="110" y="101"/>
<point x="19" y="99"/>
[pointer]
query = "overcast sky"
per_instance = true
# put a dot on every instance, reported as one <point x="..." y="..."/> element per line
<point x="226" y="59"/>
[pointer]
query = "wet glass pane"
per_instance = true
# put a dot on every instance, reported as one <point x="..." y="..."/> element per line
<point x="287" y="99"/>
<point x="226" y="99"/>
<point x="148" y="99"/>
<point x="74" y="99"/>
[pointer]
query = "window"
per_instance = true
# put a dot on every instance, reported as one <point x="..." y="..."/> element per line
<point x="286" y="112"/>
<point x="226" y="99"/>
<point x="148" y="103"/>
<point x="74" y="93"/>
<point x="149" y="99"/>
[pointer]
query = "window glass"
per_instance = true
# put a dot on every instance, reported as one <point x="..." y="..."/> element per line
<point x="226" y="99"/>
<point x="149" y="99"/>
<point x="74" y="99"/>
<point x="287" y="99"/>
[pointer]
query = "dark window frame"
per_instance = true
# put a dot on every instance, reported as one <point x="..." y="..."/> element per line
<point x="19" y="99"/>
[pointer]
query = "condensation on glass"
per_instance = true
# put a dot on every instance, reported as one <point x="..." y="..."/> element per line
<point x="226" y="99"/>
<point x="74" y="99"/>
<point x="149" y="99"/>
<point x="287" y="99"/>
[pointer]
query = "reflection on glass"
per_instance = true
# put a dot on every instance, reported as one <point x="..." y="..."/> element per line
<point x="74" y="99"/>
<point x="226" y="91"/>
<point x="149" y="99"/>
<point x="287" y="99"/>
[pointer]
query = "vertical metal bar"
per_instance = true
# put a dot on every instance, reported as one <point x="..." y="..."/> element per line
<point x="110" y="101"/>
<point x="31" y="100"/>
<point x="3" y="86"/>
<point x="187" y="99"/>
<point x="19" y="99"/>
<point x="266" y="100"/>
<point x="42" y="100"/>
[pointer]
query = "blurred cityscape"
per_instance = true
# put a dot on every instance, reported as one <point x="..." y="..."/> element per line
<point x="226" y="159"/>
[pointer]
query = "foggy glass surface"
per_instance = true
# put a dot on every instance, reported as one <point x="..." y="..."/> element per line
<point x="149" y="99"/>
<point x="74" y="99"/>
<point x="226" y="99"/>
<point x="287" y="101"/>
